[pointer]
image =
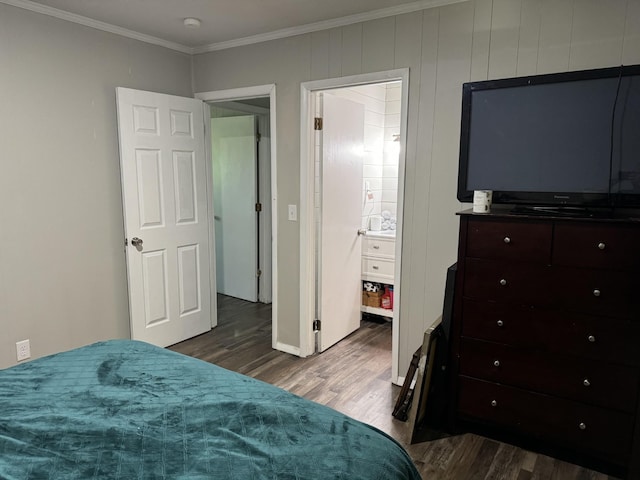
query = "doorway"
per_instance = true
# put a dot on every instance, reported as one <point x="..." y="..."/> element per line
<point x="240" y="138"/>
<point x="378" y="207"/>
<point x="243" y="120"/>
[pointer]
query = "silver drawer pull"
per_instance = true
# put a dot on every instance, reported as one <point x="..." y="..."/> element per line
<point x="586" y="382"/>
<point x="507" y="240"/>
<point x="582" y="426"/>
<point x="500" y="323"/>
<point x="375" y="267"/>
<point x="596" y="293"/>
<point x="591" y="338"/>
<point x="494" y="403"/>
<point x="601" y="246"/>
<point x="503" y="282"/>
<point x="376" y="247"/>
<point x="496" y="363"/>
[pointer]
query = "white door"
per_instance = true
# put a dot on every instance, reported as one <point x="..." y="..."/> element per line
<point x="164" y="186"/>
<point x="234" y="158"/>
<point x="341" y="217"/>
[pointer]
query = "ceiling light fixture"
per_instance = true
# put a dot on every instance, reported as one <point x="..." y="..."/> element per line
<point x="192" y="22"/>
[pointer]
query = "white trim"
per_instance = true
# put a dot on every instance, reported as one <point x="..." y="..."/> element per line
<point x="283" y="347"/>
<point x="206" y="113"/>
<point x="307" y="223"/>
<point x="263" y="37"/>
<point x="268" y="90"/>
<point x="397" y="291"/>
<point x="238" y="93"/>
<point x="98" y="25"/>
<point x="307" y="215"/>
<point x="325" y="24"/>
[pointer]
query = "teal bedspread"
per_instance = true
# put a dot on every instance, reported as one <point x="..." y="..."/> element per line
<point x="124" y="409"/>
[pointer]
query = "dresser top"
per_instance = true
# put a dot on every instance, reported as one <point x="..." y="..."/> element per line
<point x="570" y="214"/>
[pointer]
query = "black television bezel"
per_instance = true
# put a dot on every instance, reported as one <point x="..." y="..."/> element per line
<point x="553" y="199"/>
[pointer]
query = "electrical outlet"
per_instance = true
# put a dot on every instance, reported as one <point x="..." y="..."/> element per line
<point x="23" y="350"/>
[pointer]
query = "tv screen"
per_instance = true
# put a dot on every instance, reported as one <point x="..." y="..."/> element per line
<point x="625" y="185"/>
<point x="559" y="139"/>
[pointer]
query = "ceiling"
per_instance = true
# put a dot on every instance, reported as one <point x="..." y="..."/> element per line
<point x="224" y="23"/>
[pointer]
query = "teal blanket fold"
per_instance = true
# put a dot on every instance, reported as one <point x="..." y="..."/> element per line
<point x="128" y="410"/>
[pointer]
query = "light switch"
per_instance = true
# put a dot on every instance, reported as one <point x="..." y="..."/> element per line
<point x="293" y="213"/>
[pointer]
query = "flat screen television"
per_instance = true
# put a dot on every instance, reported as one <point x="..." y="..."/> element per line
<point x="560" y="140"/>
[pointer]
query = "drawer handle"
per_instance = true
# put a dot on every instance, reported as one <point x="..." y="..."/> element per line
<point x="494" y="403"/>
<point x="601" y="246"/>
<point x="582" y="426"/>
<point x="377" y="247"/>
<point x="507" y="240"/>
<point x="375" y="267"/>
<point x="596" y="293"/>
<point x="503" y="282"/>
<point x="586" y="382"/>
<point x="496" y="363"/>
<point x="500" y="323"/>
<point x="591" y="338"/>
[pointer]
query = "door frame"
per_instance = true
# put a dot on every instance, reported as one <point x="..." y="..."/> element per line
<point x="268" y="90"/>
<point x="307" y="195"/>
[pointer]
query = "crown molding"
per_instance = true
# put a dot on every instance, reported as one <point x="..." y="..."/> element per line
<point x="263" y="37"/>
<point x="326" y="24"/>
<point x="89" y="22"/>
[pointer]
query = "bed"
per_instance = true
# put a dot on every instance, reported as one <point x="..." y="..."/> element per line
<point x="126" y="409"/>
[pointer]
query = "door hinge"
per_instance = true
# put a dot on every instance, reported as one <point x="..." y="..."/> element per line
<point x="258" y="207"/>
<point x="258" y="137"/>
<point x="259" y="273"/>
<point x="316" y="325"/>
<point x="317" y="123"/>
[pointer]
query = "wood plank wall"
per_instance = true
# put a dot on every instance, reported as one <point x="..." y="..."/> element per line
<point x="443" y="47"/>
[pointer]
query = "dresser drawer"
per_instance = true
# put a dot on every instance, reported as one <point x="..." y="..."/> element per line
<point x="379" y="247"/>
<point x="508" y="282"/>
<point x="378" y="269"/>
<point x="611" y="386"/>
<point x="604" y="433"/>
<point x="529" y="241"/>
<point x="599" y="292"/>
<point x="599" y="338"/>
<point x="597" y="246"/>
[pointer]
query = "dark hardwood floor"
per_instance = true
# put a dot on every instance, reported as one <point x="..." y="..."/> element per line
<point x="354" y="377"/>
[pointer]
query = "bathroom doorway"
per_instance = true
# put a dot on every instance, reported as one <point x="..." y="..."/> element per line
<point x="381" y="194"/>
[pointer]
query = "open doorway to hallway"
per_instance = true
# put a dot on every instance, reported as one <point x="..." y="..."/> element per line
<point x="241" y="184"/>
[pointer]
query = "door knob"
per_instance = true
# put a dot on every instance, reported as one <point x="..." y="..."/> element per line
<point x="136" y="242"/>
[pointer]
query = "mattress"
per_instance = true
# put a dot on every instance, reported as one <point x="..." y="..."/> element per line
<point x="125" y="409"/>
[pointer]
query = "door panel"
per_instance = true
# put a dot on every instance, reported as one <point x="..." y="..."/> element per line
<point x="185" y="187"/>
<point x="234" y="157"/>
<point x="341" y="217"/>
<point x="150" y="199"/>
<point x="164" y="185"/>
<point x="154" y="274"/>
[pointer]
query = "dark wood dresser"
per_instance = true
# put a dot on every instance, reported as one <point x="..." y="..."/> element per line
<point x="546" y="335"/>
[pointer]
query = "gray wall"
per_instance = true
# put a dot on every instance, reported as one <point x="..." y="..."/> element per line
<point x="62" y="266"/>
<point x="443" y="47"/>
